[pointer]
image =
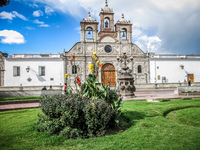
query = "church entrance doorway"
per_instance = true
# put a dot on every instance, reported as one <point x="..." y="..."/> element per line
<point x="108" y="75"/>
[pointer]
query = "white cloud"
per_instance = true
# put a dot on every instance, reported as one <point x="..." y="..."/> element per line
<point x="41" y="24"/>
<point x="30" y="28"/>
<point x="48" y="10"/>
<point x="11" y="37"/>
<point x="44" y="25"/>
<point x="37" y="13"/>
<point x="33" y="5"/>
<point x="38" y="22"/>
<point x="10" y="16"/>
<point x="6" y="15"/>
<point x="19" y="15"/>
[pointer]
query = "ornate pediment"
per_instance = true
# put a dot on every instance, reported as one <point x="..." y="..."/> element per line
<point x="136" y="50"/>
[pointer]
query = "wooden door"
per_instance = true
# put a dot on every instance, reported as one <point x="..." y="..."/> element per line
<point x="108" y="75"/>
<point x="190" y="77"/>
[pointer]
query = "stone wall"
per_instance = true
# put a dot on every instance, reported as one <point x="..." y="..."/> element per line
<point x="26" y="93"/>
<point x="187" y="89"/>
<point x="21" y="91"/>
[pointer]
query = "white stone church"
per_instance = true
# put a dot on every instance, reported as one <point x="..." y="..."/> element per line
<point x="113" y="39"/>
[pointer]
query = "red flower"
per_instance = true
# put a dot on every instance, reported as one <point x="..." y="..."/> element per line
<point x="73" y="56"/>
<point x="77" y="78"/>
<point x="101" y="65"/>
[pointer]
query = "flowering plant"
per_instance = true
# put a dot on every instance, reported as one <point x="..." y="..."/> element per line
<point x="66" y="75"/>
<point x="94" y="66"/>
<point x="73" y="56"/>
<point x="78" y="81"/>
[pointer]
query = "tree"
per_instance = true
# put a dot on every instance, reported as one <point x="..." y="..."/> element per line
<point x="4" y="2"/>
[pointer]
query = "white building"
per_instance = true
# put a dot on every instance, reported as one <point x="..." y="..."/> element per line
<point x="174" y="68"/>
<point x="34" y="70"/>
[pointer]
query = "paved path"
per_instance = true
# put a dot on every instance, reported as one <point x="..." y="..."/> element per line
<point x="18" y="106"/>
<point x="141" y="94"/>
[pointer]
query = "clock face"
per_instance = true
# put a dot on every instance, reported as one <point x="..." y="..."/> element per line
<point x="108" y="48"/>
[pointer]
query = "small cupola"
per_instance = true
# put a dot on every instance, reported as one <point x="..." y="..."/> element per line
<point x="89" y="18"/>
<point x="123" y="20"/>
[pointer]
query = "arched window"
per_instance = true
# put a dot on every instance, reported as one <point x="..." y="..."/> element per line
<point x="89" y="33"/>
<point x="106" y="23"/>
<point x="74" y="69"/>
<point x="139" y="69"/>
<point x="123" y="34"/>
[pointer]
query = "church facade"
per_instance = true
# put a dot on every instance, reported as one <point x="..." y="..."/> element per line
<point x="111" y="41"/>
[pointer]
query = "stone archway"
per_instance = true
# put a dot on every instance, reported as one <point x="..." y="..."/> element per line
<point x="108" y="75"/>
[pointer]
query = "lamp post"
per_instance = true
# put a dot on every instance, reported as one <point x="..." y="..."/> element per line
<point x="28" y="69"/>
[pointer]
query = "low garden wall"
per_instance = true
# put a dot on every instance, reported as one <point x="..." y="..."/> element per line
<point x="23" y="91"/>
<point x="163" y="85"/>
<point x="184" y="89"/>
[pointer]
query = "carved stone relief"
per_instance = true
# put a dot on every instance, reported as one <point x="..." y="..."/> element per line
<point x="89" y="48"/>
<point x="125" y="49"/>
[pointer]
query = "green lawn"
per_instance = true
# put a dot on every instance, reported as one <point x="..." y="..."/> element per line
<point x="180" y="130"/>
<point x="19" y="98"/>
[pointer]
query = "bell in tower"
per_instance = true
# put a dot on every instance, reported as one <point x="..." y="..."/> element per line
<point x="106" y="24"/>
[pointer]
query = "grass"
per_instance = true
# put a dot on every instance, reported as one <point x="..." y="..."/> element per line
<point x="20" y="98"/>
<point x="189" y="116"/>
<point x="191" y="92"/>
<point x="149" y="129"/>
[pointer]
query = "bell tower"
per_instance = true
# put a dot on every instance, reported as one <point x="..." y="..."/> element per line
<point x="107" y="22"/>
<point x="124" y="30"/>
<point x="89" y="29"/>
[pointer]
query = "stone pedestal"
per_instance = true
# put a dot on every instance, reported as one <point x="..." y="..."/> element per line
<point x="126" y="86"/>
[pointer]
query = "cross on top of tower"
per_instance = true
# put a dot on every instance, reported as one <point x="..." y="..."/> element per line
<point x="106" y="3"/>
<point x="106" y="8"/>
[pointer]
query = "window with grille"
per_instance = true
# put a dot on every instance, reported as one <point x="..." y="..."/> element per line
<point x="16" y="71"/>
<point x="74" y="69"/>
<point x="42" y="70"/>
<point x="139" y="69"/>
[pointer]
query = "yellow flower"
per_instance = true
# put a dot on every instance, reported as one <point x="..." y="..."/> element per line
<point x="91" y="67"/>
<point x="95" y="53"/>
<point x="98" y="61"/>
<point x="66" y="75"/>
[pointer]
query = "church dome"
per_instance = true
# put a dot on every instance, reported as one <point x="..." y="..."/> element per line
<point x="89" y="19"/>
<point x="123" y="20"/>
<point x="106" y="8"/>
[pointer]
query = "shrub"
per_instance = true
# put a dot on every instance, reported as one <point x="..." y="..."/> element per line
<point x="187" y="98"/>
<point x="75" y="116"/>
<point x="165" y="100"/>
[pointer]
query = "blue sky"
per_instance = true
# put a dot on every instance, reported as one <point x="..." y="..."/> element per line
<point x="50" y="26"/>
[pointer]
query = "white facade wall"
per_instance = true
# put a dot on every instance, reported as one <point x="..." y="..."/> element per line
<point x="171" y="69"/>
<point x="54" y="74"/>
